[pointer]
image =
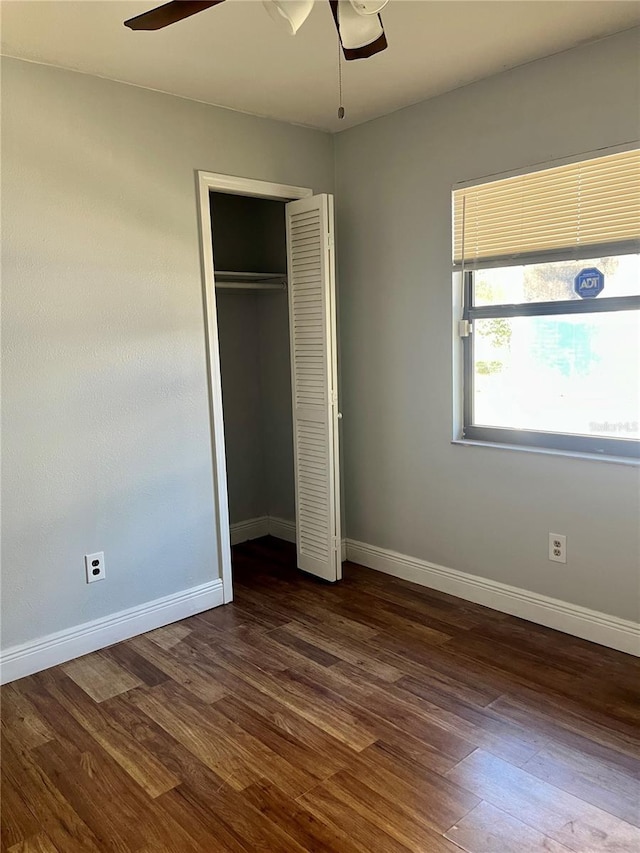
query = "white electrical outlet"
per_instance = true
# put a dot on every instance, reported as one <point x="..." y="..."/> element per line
<point x="558" y="547"/>
<point x="94" y="565"/>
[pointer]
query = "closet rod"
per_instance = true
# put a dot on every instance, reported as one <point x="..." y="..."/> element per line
<point x="246" y="285"/>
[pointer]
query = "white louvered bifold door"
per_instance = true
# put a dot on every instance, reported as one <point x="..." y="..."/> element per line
<point x="312" y="319"/>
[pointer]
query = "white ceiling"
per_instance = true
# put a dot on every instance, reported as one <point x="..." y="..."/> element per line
<point x="235" y="56"/>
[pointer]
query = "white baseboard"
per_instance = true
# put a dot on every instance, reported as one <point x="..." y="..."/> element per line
<point x="271" y="526"/>
<point x="252" y="528"/>
<point x="36" y="655"/>
<point x="264" y="525"/>
<point x="282" y="529"/>
<point x="572" y="619"/>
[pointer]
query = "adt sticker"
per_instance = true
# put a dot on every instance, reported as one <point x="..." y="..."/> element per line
<point x="589" y="283"/>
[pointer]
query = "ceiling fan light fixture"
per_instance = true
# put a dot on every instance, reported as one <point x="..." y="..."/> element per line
<point x="290" y="14"/>
<point x="368" y="7"/>
<point x="357" y="30"/>
<point x="358" y="22"/>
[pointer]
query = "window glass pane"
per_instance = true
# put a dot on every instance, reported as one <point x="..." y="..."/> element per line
<point x="554" y="281"/>
<point x="563" y="373"/>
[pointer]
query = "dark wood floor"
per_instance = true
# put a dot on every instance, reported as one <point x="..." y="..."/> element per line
<point x="372" y="716"/>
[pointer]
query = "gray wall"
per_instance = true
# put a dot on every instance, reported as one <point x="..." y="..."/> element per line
<point x="483" y="511"/>
<point x="239" y="339"/>
<point x="277" y="417"/>
<point x="253" y="330"/>
<point x="105" y="426"/>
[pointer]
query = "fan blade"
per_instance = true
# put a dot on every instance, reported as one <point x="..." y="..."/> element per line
<point x="364" y="51"/>
<point x="162" y="16"/>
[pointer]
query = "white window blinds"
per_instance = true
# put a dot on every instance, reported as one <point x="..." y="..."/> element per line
<point x="587" y="209"/>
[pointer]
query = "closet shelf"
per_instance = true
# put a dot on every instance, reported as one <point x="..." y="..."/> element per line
<point x="233" y="280"/>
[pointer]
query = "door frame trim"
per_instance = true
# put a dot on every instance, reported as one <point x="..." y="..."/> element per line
<point x="207" y="182"/>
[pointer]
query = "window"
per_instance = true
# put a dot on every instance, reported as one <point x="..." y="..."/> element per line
<point x="550" y="266"/>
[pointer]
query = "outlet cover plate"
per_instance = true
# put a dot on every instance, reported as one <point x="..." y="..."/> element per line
<point x="94" y="566"/>
<point x="558" y="547"/>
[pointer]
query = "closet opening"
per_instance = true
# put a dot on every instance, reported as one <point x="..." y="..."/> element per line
<point x="268" y="271"/>
<point x="250" y="263"/>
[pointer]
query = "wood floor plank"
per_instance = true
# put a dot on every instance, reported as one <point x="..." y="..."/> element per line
<point x="114" y="739"/>
<point x="375" y="656"/>
<point x="480" y="726"/>
<point x="67" y="729"/>
<point x="199" y="823"/>
<point x="17" y="821"/>
<point x="143" y="768"/>
<point x="429" y="798"/>
<point x="345" y="649"/>
<point x="21" y="722"/>
<point x="99" y="676"/>
<point x="285" y="637"/>
<point x="39" y="843"/>
<point x="266" y="761"/>
<point x="274" y="651"/>
<point x="231" y="618"/>
<point x="278" y="740"/>
<point x="329" y="807"/>
<point x="385" y="620"/>
<point x="405" y="616"/>
<point x="446" y="676"/>
<point x="168" y="636"/>
<point x="175" y="828"/>
<point x="599" y="834"/>
<point x="88" y="784"/>
<point x="396" y="748"/>
<point x="53" y="813"/>
<point x="319" y="708"/>
<point x="193" y="678"/>
<point x="196" y="734"/>
<point x="173" y="755"/>
<point x="247" y="615"/>
<point x="404" y="825"/>
<point x="247" y="824"/>
<point x="331" y="754"/>
<point x="542" y="806"/>
<point x="222" y="744"/>
<point x="488" y="830"/>
<point x="568" y="724"/>
<point x="535" y="671"/>
<point x="461" y="615"/>
<point x="247" y="642"/>
<point x="305" y="606"/>
<point x="300" y="824"/>
<point x="593" y="781"/>
<point x="383" y="707"/>
<point x="127" y="657"/>
<point x="370" y="716"/>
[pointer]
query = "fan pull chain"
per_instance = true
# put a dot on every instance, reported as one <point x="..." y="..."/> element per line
<point x="340" y="106"/>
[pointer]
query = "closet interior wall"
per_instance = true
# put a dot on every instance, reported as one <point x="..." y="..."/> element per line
<point x="253" y="334"/>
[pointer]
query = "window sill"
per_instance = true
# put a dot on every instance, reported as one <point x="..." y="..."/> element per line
<point x="549" y="451"/>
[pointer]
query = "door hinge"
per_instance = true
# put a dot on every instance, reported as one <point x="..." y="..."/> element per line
<point x="464" y="328"/>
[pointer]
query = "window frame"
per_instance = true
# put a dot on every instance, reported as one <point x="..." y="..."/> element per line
<point x="567" y="442"/>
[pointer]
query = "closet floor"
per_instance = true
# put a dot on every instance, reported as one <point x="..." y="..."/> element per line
<point x="373" y="716"/>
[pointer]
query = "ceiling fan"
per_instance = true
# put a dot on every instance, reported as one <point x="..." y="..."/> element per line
<point x="358" y="22"/>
